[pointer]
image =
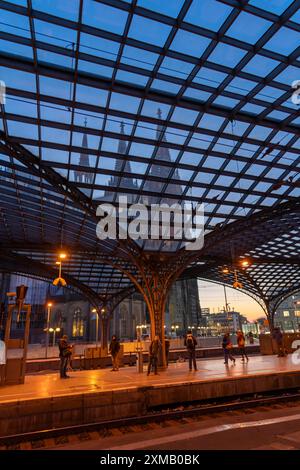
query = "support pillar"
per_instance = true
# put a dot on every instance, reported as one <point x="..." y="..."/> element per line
<point x="156" y="273"/>
<point x="104" y="333"/>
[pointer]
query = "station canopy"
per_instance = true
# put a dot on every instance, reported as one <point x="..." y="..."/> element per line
<point x="185" y="101"/>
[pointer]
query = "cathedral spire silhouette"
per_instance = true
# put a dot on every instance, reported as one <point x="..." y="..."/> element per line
<point x="122" y="165"/>
<point x="82" y="176"/>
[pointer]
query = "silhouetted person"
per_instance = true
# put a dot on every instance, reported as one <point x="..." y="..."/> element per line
<point x="278" y="336"/>
<point x="190" y="342"/>
<point x="153" y="354"/>
<point x="64" y="354"/>
<point x="114" y="349"/>
<point x="241" y="345"/>
<point x="227" y="347"/>
<point x="167" y="349"/>
<point x="251" y="337"/>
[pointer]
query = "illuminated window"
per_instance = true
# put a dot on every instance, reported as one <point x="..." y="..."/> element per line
<point x="78" y="326"/>
<point x="286" y="313"/>
<point x="297" y="313"/>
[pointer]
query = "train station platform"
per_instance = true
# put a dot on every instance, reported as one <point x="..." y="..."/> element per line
<point x="45" y="401"/>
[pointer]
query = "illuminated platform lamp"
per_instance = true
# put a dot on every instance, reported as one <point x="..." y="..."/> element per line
<point x="60" y="281"/>
<point x="245" y="263"/>
<point x="225" y="270"/>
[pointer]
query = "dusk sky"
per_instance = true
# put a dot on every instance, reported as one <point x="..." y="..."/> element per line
<point x="212" y="295"/>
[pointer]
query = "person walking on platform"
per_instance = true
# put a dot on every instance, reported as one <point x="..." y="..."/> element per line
<point x="114" y="349"/>
<point x="167" y="349"/>
<point x="278" y="336"/>
<point x="64" y="354"/>
<point x="241" y="345"/>
<point x="227" y="347"/>
<point x="153" y="354"/>
<point x="190" y="342"/>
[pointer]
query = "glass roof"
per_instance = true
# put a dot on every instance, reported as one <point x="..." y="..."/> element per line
<point x="188" y="100"/>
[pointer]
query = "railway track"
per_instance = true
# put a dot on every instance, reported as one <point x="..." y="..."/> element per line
<point x="155" y="419"/>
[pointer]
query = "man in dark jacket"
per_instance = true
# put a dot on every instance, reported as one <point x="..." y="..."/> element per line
<point x="167" y="349"/>
<point x="190" y="342"/>
<point x="227" y="347"/>
<point x="153" y="354"/>
<point x="114" y="349"/>
<point x="64" y="354"/>
<point x="278" y="336"/>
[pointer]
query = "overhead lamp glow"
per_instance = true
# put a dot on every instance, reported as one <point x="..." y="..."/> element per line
<point x="245" y="263"/>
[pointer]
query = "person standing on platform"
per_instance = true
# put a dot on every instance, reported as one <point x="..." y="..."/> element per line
<point x="241" y="345"/>
<point x="64" y="354"/>
<point x="251" y="338"/>
<point x="114" y="349"/>
<point x="278" y="336"/>
<point x="190" y="342"/>
<point x="153" y="354"/>
<point x="167" y="348"/>
<point x="227" y="347"/>
<point x="70" y="358"/>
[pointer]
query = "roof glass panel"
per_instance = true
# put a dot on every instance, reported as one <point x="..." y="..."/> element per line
<point x="275" y="6"/>
<point x="54" y="87"/>
<point x="103" y="16"/>
<point x="285" y="41"/>
<point x="119" y="101"/>
<point x="260" y="66"/>
<point x="184" y="115"/>
<point x="167" y="8"/>
<point x="95" y="69"/>
<point x="198" y="14"/>
<point x="227" y="55"/>
<point x="139" y="57"/>
<point x="209" y="121"/>
<point x="149" y="31"/>
<point x="197" y="94"/>
<point x="129" y="77"/>
<point x="290" y="74"/>
<point x="100" y="48"/>
<point x="18" y="79"/>
<point x="17" y="49"/>
<point x="67" y="9"/>
<point x="54" y="34"/>
<point x="176" y="68"/>
<point x="269" y="93"/>
<point x="14" y="23"/>
<point x="248" y="28"/>
<point x="189" y="43"/>
<point x="168" y="87"/>
<point x="296" y="17"/>
<point x="240" y="86"/>
<point x="210" y="77"/>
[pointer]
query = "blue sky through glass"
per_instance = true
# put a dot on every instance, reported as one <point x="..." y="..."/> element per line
<point x="248" y="28"/>
<point x="200" y="13"/>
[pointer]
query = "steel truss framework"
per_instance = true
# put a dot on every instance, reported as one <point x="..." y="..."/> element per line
<point x="227" y="121"/>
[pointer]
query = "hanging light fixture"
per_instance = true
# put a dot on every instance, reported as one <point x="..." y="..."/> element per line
<point x="60" y="281"/>
<point x="245" y="263"/>
<point x="237" y="284"/>
<point x="225" y="270"/>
